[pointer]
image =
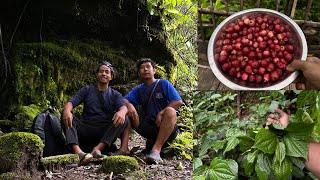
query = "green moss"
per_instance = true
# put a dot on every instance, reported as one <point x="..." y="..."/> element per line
<point x="136" y="175"/>
<point x="17" y="147"/>
<point x="119" y="164"/>
<point x="6" y="123"/>
<point x="49" y="73"/>
<point x="14" y="176"/>
<point x="24" y="117"/>
<point x="60" y="159"/>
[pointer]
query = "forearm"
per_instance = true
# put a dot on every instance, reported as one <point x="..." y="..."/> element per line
<point x="127" y="103"/>
<point x="68" y="107"/>
<point x="175" y="104"/>
<point x="123" y="109"/>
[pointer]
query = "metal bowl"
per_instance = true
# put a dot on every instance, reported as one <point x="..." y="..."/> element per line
<point x="299" y="43"/>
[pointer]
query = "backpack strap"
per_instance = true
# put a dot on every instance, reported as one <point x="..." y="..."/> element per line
<point x="153" y="90"/>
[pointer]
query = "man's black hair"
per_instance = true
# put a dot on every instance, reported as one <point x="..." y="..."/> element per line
<point x="144" y="60"/>
<point x="106" y="63"/>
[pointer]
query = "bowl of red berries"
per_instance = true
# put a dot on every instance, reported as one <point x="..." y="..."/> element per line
<point x="251" y="49"/>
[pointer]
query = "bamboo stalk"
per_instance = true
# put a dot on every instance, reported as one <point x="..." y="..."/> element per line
<point x="307" y="10"/>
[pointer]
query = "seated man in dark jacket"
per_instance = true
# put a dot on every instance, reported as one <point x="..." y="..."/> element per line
<point x="103" y="118"/>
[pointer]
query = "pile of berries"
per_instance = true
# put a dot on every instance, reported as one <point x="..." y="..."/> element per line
<point x="256" y="49"/>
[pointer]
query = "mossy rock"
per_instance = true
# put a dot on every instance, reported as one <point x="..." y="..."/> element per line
<point x="135" y="175"/>
<point x="20" y="152"/>
<point x="14" y="176"/>
<point x="24" y="118"/>
<point x="119" y="164"/>
<point x="60" y="159"/>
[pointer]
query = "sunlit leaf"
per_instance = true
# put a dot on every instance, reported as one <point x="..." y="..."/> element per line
<point x="231" y="144"/>
<point x="280" y="152"/>
<point x="263" y="166"/>
<point x="266" y="141"/>
<point x="295" y="147"/>
<point x="283" y="170"/>
<point x="219" y="169"/>
<point x="196" y="163"/>
<point x="299" y="162"/>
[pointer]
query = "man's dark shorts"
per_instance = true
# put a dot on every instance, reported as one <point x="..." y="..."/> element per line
<point x="149" y="130"/>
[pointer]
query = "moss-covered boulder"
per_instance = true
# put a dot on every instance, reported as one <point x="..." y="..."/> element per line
<point x="14" y="176"/>
<point x="20" y="152"/>
<point x="24" y="117"/>
<point x="56" y="162"/>
<point x="119" y="164"/>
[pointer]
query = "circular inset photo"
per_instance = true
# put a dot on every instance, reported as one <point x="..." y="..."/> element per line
<point x="251" y="49"/>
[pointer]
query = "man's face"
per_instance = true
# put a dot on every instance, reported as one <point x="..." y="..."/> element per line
<point x="146" y="71"/>
<point x="104" y="74"/>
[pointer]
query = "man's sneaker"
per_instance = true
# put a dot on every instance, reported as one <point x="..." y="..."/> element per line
<point x="154" y="158"/>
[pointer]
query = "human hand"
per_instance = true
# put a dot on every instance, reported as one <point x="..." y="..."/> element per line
<point x="119" y="118"/>
<point x="311" y="73"/>
<point x="132" y="113"/>
<point x="159" y="118"/>
<point x="67" y="118"/>
<point x="284" y="118"/>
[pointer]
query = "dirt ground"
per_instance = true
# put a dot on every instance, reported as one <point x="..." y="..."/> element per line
<point x="166" y="170"/>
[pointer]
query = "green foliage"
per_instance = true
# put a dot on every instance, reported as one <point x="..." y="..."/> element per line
<point x="183" y="143"/>
<point x="218" y="169"/>
<point x="274" y="153"/>
<point x="179" y="19"/>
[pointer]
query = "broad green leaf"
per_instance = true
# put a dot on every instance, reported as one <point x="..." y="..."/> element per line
<point x="248" y="169"/>
<point x="301" y="131"/>
<point x="246" y="143"/>
<point x="219" y="169"/>
<point x="231" y="144"/>
<point x="280" y="153"/>
<point x="219" y="144"/>
<point x="263" y="166"/>
<point x="299" y="162"/>
<point x="196" y="163"/>
<point x="235" y="132"/>
<point x="266" y="141"/>
<point x="283" y="170"/>
<point x="296" y="148"/>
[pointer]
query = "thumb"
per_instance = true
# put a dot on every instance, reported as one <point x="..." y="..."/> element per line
<point x="296" y="65"/>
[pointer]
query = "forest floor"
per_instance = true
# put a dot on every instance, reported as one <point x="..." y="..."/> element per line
<point x="166" y="170"/>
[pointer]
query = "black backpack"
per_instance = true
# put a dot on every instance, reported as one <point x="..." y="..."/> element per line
<point x="48" y="127"/>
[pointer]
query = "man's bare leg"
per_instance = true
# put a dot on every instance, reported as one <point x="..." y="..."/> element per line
<point x="167" y="125"/>
<point x="125" y="139"/>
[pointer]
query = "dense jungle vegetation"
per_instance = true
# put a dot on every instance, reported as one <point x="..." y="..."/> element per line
<point x="50" y="48"/>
